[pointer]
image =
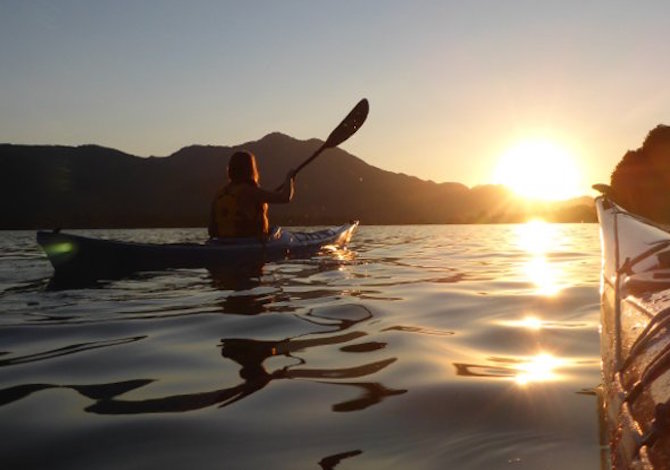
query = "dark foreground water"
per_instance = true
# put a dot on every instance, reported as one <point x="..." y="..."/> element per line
<point x="422" y="347"/>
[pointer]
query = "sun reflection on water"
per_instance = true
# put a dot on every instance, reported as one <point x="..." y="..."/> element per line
<point x="538" y="238"/>
<point x="544" y="275"/>
<point x="530" y="322"/>
<point x="539" y="368"/>
<point x="535" y="323"/>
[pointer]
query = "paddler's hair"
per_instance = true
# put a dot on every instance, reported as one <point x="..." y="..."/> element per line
<point x="242" y="168"/>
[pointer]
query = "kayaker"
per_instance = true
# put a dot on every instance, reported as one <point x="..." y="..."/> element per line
<point x="240" y="209"/>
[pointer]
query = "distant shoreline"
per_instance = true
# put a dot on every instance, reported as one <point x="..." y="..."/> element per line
<point x="92" y="186"/>
<point x="65" y="229"/>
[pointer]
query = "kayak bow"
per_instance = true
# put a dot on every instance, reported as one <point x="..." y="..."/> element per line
<point x="635" y="337"/>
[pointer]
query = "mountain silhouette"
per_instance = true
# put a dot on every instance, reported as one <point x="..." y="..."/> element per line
<point x="91" y="186"/>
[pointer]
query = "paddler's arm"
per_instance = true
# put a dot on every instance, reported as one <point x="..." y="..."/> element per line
<point x="284" y="195"/>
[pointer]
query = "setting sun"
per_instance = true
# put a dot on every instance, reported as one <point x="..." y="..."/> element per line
<point x="539" y="169"/>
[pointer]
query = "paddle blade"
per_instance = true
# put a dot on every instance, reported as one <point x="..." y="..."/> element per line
<point x="349" y="125"/>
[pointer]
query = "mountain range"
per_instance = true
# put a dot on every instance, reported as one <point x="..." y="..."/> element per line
<point x="90" y="186"/>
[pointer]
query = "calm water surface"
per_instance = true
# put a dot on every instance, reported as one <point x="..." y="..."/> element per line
<point x="420" y="347"/>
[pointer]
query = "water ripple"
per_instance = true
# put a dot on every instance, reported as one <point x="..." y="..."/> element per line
<point x="421" y="346"/>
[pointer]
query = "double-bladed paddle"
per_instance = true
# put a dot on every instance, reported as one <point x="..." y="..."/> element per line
<point x="342" y="132"/>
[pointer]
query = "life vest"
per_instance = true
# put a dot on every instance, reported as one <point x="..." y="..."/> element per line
<point x="231" y="216"/>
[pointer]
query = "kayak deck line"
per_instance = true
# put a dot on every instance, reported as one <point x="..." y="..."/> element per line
<point x="635" y="336"/>
<point x="657" y="322"/>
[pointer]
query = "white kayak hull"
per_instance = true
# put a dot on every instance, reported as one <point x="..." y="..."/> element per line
<point x="635" y="337"/>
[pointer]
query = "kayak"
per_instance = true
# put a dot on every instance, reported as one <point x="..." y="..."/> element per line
<point x="635" y="337"/>
<point x="79" y="257"/>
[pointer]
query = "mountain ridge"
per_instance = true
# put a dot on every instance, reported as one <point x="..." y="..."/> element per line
<point x="86" y="186"/>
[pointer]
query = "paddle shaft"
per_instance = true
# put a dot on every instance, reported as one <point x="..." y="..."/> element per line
<point x="348" y="127"/>
<point x="314" y="155"/>
<point x="305" y="163"/>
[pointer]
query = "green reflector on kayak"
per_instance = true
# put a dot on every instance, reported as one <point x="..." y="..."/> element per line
<point x="60" y="248"/>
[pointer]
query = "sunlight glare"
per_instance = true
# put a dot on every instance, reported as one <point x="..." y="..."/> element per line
<point x="538" y="238"/>
<point x="539" y="169"/>
<point x="539" y="368"/>
<point x="529" y="322"/>
<point x="544" y="275"/>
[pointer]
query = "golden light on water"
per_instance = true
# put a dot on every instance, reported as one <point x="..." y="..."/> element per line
<point x="544" y="275"/>
<point x="338" y="253"/>
<point x="535" y="323"/>
<point x="538" y="239"/>
<point x="528" y="322"/>
<point x="543" y="264"/>
<point x="539" y="368"/>
<point x="536" y="236"/>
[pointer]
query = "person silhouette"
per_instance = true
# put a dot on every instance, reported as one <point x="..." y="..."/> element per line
<point x="240" y="208"/>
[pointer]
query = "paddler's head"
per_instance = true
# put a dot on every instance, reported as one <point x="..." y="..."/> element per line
<point x="242" y="168"/>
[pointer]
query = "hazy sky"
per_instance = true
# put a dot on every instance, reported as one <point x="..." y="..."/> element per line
<point x="451" y="84"/>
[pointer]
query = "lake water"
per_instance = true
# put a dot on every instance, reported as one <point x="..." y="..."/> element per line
<point x="422" y="347"/>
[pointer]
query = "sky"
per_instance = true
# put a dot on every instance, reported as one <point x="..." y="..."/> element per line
<point x="452" y="85"/>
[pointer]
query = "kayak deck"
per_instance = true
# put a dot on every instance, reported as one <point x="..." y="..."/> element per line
<point x="78" y="257"/>
<point x="635" y="337"/>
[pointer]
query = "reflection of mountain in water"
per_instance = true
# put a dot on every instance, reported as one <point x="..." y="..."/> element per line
<point x="250" y="355"/>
